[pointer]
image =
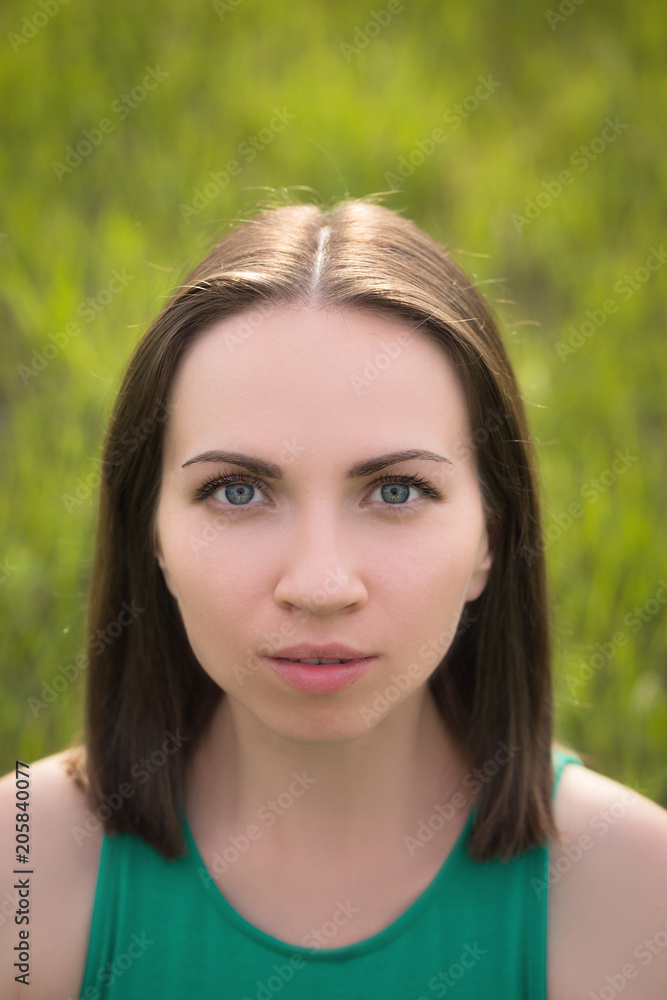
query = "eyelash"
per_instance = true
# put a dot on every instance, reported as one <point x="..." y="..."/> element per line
<point x="214" y="483"/>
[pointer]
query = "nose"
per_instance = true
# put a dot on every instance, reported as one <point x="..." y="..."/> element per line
<point x="320" y="574"/>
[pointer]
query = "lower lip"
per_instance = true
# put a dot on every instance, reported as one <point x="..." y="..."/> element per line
<point x="323" y="678"/>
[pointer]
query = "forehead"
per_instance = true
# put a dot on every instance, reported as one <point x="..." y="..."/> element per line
<point x="329" y="377"/>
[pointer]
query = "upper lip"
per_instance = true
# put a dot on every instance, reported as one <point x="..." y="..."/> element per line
<point x="329" y="651"/>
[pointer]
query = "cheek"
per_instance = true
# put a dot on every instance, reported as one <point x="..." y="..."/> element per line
<point x="214" y="582"/>
<point x="421" y="584"/>
<point x="429" y="589"/>
<point x="220" y="580"/>
<point x="211" y="604"/>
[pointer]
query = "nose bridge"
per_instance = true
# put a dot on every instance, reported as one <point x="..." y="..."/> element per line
<point x="319" y="570"/>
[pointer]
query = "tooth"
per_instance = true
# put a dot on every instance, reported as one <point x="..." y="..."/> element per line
<point x="318" y="660"/>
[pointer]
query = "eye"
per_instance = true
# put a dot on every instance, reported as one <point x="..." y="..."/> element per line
<point x="396" y="492"/>
<point x="235" y="490"/>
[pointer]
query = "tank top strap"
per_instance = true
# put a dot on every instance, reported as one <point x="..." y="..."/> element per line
<point x="559" y="758"/>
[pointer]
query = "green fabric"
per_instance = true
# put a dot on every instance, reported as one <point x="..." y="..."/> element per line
<point x="161" y="929"/>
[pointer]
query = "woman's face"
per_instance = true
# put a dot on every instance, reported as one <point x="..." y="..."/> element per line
<point x="310" y="553"/>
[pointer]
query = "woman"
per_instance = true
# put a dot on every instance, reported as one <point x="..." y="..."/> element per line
<point x="319" y="453"/>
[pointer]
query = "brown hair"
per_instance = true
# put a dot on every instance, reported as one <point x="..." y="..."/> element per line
<point x="492" y="684"/>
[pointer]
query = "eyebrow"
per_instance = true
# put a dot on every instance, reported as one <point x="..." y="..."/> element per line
<point x="271" y="471"/>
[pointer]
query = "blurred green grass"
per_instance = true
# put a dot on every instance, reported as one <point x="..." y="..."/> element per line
<point x="356" y="116"/>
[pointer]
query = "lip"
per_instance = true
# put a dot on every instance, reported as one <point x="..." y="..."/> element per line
<point x="324" y="678"/>
<point x="328" y="651"/>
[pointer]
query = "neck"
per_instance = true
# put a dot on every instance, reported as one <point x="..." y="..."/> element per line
<point x="335" y="796"/>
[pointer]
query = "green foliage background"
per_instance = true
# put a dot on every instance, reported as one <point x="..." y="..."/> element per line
<point x="358" y="110"/>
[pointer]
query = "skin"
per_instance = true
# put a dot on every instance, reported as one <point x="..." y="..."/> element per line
<point x="317" y="557"/>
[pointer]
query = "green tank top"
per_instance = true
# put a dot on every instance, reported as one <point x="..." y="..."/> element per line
<point x="162" y="929"/>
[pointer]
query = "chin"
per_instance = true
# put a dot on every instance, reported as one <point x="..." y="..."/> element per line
<point x="317" y="725"/>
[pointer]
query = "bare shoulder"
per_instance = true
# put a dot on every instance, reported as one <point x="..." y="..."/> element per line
<point x="607" y="891"/>
<point x="55" y="887"/>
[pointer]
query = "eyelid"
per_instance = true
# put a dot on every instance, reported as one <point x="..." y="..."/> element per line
<point x="218" y="480"/>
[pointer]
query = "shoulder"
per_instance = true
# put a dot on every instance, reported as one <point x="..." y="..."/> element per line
<point x="64" y="850"/>
<point x="607" y="890"/>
